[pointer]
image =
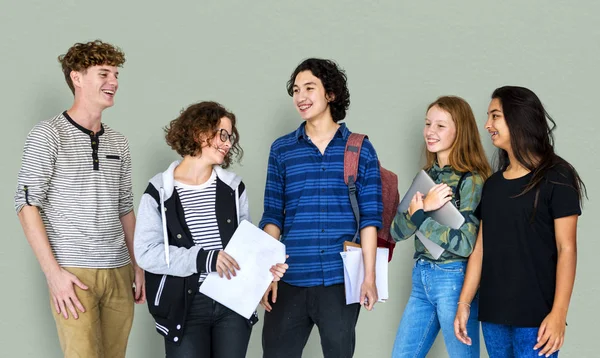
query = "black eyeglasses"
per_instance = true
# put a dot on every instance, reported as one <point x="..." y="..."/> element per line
<point x="224" y="135"/>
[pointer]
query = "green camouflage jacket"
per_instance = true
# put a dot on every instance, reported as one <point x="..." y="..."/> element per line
<point x="458" y="244"/>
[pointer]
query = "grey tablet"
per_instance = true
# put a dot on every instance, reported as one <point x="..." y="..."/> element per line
<point x="446" y="215"/>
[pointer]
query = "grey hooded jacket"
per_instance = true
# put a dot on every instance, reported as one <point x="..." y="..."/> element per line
<point x="164" y="248"/>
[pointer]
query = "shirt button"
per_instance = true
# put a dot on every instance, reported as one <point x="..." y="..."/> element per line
<point x="322" y="251"/>
<point x="175" y="339"/>
<point x="179" y="236"/>
<point x="229" y="221"/>
<point x="178" y="327"/>
<point x="190" y="291"/>
<point x="323" y="168"/>
<point x="322" y="230"/>
<point x="165" y="209"/>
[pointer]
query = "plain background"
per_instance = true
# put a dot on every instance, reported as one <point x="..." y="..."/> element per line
<point x="399" y="56"/>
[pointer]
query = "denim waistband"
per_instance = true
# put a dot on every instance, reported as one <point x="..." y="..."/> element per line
<point x="433" y="264"/>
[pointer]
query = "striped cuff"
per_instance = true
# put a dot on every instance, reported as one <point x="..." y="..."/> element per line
<point x="211" y="260"/>
<point x="206" y="261"/>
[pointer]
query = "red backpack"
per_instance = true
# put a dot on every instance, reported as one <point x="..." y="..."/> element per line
<point x="389" y="191"/>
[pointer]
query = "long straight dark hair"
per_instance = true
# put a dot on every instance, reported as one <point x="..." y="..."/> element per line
<point x="531" y="138"/>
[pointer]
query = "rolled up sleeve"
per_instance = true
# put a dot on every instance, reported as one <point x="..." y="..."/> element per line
<point x="369" y="188"/>
<point x="37" y="166"/>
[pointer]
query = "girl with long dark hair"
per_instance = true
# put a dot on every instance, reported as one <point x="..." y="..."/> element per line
<point x="525" y="254"/>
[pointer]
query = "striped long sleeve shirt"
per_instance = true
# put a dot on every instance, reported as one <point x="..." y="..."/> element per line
<point x="81" y="183"/>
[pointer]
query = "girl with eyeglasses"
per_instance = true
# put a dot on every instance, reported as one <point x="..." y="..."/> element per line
<point x="186" y="217"/>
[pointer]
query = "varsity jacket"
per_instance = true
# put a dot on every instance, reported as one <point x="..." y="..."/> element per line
<point x="164" y="248"/>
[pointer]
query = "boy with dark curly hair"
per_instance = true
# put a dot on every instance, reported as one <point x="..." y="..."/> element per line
<point x="307" y="207"/>
<point x="74" y="200"/>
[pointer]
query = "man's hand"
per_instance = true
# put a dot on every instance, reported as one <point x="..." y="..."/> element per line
<point x="139" y="285"/>
<point x="272" y="289"/>
<point x="65" y="299"/>
<point x="368" y="294"/>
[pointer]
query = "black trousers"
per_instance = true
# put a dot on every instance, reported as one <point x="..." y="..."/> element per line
<point x="287" y="327"/>
<point x="211" y="330"/>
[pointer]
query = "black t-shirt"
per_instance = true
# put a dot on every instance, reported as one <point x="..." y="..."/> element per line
<point x="518" y="276"/>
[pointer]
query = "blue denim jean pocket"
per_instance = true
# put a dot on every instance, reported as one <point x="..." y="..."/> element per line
<point x="452" y="267"/>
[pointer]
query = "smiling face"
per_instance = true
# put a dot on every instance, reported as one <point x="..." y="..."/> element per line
<point x="496" y="126"/>
<point x="215" y="150"/>
<point x="309" y="97"/>
<point x="96" y="86"/>
<point x="439" y="133"/>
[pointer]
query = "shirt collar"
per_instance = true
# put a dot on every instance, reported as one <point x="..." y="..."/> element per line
<point x="436" y="168"/>
<point x="83" y="129"/>
<point x="342" y="131"/>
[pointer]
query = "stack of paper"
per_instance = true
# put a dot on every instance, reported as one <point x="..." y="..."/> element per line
<point x="354" y="273"/>
<point x="255" y="251"/>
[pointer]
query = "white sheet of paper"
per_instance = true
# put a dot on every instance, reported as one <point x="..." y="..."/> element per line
<point x="255" y="251"/>
<point x="434" y="249"/>
<point x="354" y="273"/>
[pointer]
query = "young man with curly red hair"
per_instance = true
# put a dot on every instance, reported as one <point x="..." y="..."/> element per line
<point x="74" y="200"/>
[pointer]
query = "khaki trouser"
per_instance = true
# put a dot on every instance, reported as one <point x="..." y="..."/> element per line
<point x="103" y="329"/>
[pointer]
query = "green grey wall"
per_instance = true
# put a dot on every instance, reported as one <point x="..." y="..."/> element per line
<point x="399" y="56"/>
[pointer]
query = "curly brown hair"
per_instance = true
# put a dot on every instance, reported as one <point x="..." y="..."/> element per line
<point x="82" y="56"/>
<point x="183" y="133"/>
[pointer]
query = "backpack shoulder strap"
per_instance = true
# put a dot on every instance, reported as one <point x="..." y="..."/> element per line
<point x="457" y="194"/>
<point x="351" y="158"/>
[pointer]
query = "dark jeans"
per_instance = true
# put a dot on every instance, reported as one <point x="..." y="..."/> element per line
<point x="287" y="327"/>
<point x="211" y="330"/>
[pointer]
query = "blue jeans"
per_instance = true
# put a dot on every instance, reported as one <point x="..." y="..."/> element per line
<point x="432" y="306"/>
<point x="503" y="341"/>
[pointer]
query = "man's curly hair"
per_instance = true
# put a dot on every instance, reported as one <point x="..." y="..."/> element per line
<point x="183" y="133"/>
<point x="82" y="56"/>
<point x="334" y="80"/>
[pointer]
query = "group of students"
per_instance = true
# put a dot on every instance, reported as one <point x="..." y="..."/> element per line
<point x="74" y="199"/>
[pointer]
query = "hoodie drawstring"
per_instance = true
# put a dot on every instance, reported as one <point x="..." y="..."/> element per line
<point x="237" y="204"/>
<point x="164" y="225"/>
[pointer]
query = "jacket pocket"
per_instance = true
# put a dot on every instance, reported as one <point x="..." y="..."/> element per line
<point x="161" y="287"/>
<point x="163" y="294"/>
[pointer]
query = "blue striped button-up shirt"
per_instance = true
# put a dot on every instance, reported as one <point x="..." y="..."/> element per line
<point x="307" y="198"/>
